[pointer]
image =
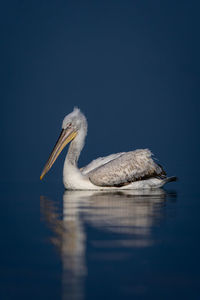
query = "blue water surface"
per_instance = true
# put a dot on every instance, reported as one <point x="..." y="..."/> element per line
<point x="132" y="67"/>
<point x="58" y="244"/>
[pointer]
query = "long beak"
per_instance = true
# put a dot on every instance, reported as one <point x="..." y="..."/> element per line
<point x="66" y="136"/>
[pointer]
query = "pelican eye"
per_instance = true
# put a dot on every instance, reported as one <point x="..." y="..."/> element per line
<point x="69" y="125"/>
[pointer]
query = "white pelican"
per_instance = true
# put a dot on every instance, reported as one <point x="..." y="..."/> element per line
<point x="124" y="170"/>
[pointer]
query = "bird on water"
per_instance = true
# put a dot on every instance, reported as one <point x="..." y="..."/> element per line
<point x="121" y="171"/>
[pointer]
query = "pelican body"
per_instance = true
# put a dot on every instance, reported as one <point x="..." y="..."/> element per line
<point x="120" y="171"/>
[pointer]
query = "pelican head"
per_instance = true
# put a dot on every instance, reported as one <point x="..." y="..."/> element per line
<point x="73" y="125"/>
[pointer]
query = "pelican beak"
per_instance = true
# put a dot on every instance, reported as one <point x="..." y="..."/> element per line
<point x="66" y="136"/>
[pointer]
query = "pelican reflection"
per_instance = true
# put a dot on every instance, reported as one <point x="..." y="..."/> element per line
<point x="130" y="215"/>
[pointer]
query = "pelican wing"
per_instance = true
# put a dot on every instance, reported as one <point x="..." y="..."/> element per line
<point x="126" y="168"/>
<point x="96" y="163"/>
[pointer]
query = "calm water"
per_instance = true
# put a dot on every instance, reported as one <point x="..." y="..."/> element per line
<point x="58" y="244"/>
<point x="133" y="68"/>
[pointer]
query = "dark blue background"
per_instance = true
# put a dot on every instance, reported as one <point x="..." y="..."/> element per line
<point x="133" y="68"/>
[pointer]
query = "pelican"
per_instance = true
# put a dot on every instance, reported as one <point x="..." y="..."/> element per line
<point x="121" y="171"/>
